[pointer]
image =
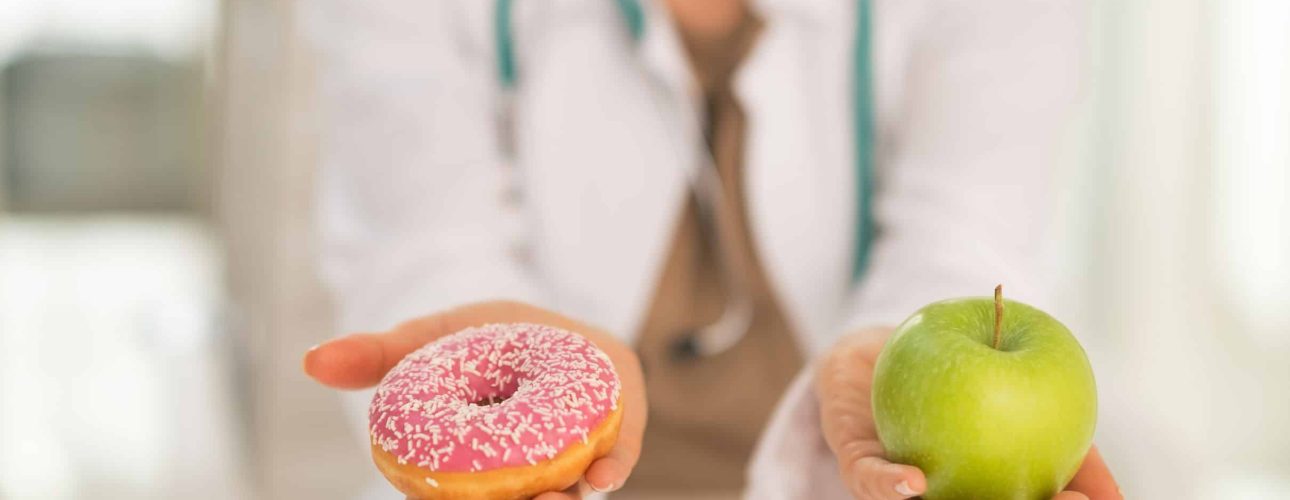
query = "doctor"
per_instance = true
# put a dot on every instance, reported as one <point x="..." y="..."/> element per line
<point x="730" y="191"/>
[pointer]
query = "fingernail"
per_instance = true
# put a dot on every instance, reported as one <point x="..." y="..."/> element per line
<point x="904" y="489"/>
<point x="608" y="488"/>
<point x="304" y="360"/>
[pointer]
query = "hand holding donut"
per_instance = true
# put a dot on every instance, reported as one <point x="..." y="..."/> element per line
<point x="843" y="381"/>
<point x="362" y="360"/>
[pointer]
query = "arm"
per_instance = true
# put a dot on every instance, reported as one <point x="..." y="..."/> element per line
<point x="412" y="208"/>
<point x="412" y="187"/>
<point x="964" y="200"/>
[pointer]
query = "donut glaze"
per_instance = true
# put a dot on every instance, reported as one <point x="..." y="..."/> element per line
<point x="492" y="397"/>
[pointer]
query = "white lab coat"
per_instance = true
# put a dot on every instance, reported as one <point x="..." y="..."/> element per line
<point x="419" y="208"/>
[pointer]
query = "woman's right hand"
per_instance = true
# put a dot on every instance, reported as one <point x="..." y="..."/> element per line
<point x="843" y="383"/>
<point x="361" y="360"/>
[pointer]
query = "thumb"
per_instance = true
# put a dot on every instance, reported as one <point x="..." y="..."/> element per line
<point x="873" y="478"/>
<point x="843" y="384"/>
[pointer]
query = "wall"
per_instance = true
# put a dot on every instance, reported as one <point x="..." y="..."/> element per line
<point x="303" y="446"/>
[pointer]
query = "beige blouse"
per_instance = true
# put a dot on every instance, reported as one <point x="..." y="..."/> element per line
<point x="707" y="412"/>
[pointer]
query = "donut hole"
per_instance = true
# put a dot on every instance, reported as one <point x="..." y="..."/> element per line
<point x="491" y="400"/>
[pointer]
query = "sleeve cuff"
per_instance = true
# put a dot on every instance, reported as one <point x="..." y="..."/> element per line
<point x="792" y="460"/>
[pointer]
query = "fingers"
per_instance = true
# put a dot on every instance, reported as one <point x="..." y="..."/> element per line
<point x="872" y="478"/>
<point x="607" y="474"/>
<point x="558" y="495"/>
<point x="843" y="389"/>
<point x="848" y="424"/>
<point x="610" y="472"/>
<point x="1070" y="495"/>
<point x="575" y="492"/>
<point x="350" y="362"/>
<point x="843" y="383"/>
<point x="1094" y="479"/>
<point x="361" y="360"/>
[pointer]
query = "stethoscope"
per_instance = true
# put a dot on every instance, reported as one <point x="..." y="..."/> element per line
<point x="737" y="315"/>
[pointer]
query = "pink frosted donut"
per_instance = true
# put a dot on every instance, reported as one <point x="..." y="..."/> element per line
<point x="498" y="411"/>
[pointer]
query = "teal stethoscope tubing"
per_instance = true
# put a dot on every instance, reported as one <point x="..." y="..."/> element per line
<point x="863" y="111"/>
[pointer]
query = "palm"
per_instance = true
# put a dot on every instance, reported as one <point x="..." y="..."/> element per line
<point x="843" y="385"/>
<point x="361" y="360"/>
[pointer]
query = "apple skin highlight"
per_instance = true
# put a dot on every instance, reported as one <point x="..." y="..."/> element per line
<point x="984" y="423"/>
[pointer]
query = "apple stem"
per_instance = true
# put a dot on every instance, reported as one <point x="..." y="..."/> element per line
<point x="998" y="315"/>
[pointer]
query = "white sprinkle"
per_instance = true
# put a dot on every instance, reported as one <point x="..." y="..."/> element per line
<point x="423" y="409"/>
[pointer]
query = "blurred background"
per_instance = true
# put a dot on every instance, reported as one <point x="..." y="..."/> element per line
<point x="157" y="285"/>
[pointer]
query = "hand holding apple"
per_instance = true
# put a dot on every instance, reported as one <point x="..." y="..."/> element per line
<point x="845" y="381"/>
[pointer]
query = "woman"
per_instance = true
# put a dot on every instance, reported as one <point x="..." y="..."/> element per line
<point x="697" y="179"/>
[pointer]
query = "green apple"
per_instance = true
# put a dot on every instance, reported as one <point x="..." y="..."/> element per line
<point x="992" y="399"/>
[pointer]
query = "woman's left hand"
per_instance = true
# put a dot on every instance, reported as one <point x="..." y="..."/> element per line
<point x="361" y="360"/>
<point x="843" y="382"/>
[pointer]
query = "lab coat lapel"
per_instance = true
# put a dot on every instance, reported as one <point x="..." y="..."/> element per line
<point x="606" y="161"/>
<point x="799" y="159"/>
